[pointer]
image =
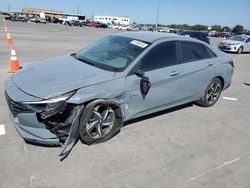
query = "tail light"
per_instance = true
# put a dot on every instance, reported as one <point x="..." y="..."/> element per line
<point x="231" y="63"/>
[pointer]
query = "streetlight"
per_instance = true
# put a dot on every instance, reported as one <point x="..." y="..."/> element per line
<point x="157" y="15"/>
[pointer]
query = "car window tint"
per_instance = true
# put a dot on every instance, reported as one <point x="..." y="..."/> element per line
<point x="248" y="40"/>
<point x="161" y="56"/>
<point x="209" y="52"/>
<point x="192" y="51"/>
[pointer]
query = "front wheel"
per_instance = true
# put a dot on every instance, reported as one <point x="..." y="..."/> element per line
<point x="212" y="93"/>
<point x="100" y="121"/>
<point x="240" y="50"/>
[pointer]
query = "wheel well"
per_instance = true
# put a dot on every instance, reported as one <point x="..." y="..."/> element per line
<point x="108" y="101"/>
<point x="222" y="80"/>
<point x="240" y="48"/>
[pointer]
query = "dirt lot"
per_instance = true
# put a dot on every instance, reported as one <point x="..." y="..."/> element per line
<point x="189" y="146"/>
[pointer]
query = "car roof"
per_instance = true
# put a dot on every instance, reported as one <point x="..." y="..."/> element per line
<point x="243" y="35"/>
<point x="149" y="36"/>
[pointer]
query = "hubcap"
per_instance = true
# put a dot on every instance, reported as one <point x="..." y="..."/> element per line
<point x="213" y="92"/>
<point x="101" y="121"/>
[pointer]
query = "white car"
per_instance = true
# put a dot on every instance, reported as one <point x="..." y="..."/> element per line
<point x="237" y="43"/>
<point x="113" y="26"/>
<point x="124" y="27"/>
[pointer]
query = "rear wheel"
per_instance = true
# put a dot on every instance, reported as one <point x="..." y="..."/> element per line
<point x="240" y="50"/>
<point x="99" y="122"/>
<point x="212" y="93"/>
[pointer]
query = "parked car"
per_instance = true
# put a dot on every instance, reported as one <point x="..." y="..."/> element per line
<point x="231" y="34"/>
<point x="133" y="28"/>
<point x="19" y="19"/>
<point x="120" y="77"/>
<point x="213" y="34"/>
<point x="124" y="27"/>
<point x="56" y="20"/>
<point x="38" y="20"/>
<point x="77" y="23"/>
<point x="197" y="34"/>
<point x="223" y="34"/>
<point x="237" y="43"/>
<point x="92" y="24"/>
<point x="101" y="25"/>
<point x="113" y="26"/>
<point x="8" y="17"/>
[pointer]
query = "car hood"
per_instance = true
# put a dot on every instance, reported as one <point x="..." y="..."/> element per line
<point x="59" y="75"/>
<point x="230" y="42"/>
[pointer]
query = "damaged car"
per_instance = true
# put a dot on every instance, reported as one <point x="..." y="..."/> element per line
<point x="91" y="93"/>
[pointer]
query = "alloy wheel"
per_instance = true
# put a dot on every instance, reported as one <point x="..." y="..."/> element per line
<point x="101" y="121"/>
<point x="213" y="92"/>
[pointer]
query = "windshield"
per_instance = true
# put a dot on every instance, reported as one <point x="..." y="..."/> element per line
<point x="113" y="53"/>
<point x="238" y="38"/>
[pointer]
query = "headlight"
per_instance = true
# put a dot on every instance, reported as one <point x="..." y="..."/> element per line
<point x="60" y="98"/>
<point x="50" y="107"/>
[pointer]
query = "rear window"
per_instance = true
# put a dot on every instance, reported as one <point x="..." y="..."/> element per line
<point x="209" y="53"/>
<point x="194" y="51"/>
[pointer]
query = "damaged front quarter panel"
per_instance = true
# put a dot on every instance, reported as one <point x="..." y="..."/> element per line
<point x="63" y="121"/>
<point x="73" y="133"/>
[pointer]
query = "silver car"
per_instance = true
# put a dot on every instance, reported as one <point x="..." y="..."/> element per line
<point x="237" y="43"/>
<point x="91" y="93"/>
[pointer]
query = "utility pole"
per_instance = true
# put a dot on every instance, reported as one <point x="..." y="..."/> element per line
<point x="9" y="7"/>
<point x="157" y="15"/>
<point x="78" y="9"/>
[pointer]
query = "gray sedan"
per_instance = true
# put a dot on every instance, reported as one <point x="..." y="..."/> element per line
<point x="237" y="43"/>
<point x="120" y="77"/>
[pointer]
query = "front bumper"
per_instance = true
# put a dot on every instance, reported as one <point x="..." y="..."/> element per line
<point x="228" y="48"/>
<point x="34" y="135"/>
<point x="52" y="126"/>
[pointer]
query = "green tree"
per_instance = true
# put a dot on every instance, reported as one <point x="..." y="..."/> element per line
<point x="173" y="26"/>
<point x="199" y="27"/>
<point x="216" y="27"/>
<point x="226" y="28"/>
<point x="238" y="29"/>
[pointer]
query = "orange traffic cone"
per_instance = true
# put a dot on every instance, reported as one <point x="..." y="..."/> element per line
<point x="5" y="30"/>
<point x="14" y="64"/>
<point x="9" y="40"/>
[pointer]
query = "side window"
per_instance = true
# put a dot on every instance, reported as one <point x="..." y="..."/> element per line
<point x="248" y="40"/>
<point x="192" y="51"/>
<point x="161" y="56"/>
<point x="209" y="52"/>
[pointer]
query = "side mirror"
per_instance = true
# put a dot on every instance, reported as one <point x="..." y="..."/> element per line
<point x="144" y="83"/>
<point x="139" y="73"/>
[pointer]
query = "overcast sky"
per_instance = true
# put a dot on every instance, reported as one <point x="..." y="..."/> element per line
<point x="222" y="12"/>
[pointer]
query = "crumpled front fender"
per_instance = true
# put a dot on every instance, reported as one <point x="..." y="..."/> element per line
<point x="73" y="133"/>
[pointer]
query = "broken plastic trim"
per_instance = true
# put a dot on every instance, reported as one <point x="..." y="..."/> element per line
<point x="73" y="133"/>
<point x="62" y="119"/>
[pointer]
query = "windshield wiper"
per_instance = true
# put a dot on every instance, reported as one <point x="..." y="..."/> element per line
<point x="84" y="60"/>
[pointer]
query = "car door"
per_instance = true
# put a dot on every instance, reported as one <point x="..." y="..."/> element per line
<point x="159" y="66"/>
<point x="198" y="64"/>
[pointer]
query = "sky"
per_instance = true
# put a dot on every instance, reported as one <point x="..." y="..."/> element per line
<point x="211" y="12"/>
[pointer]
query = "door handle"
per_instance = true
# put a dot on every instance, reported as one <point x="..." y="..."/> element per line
<point x="209" y="64"/>
<point x="174" y="73"/>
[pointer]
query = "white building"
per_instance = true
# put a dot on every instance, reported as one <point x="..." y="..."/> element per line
<point x="122" y="20"/>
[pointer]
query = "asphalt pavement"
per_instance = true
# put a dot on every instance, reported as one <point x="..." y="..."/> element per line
<point x="188" y="146"/>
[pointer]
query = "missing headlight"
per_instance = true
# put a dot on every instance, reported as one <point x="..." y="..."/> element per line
<point x="58" y="119"/>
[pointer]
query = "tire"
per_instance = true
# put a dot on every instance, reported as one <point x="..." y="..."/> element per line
<point x="100" y="121"/>
<point x="212" y="93"/>
<point x="240" y="50"/>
